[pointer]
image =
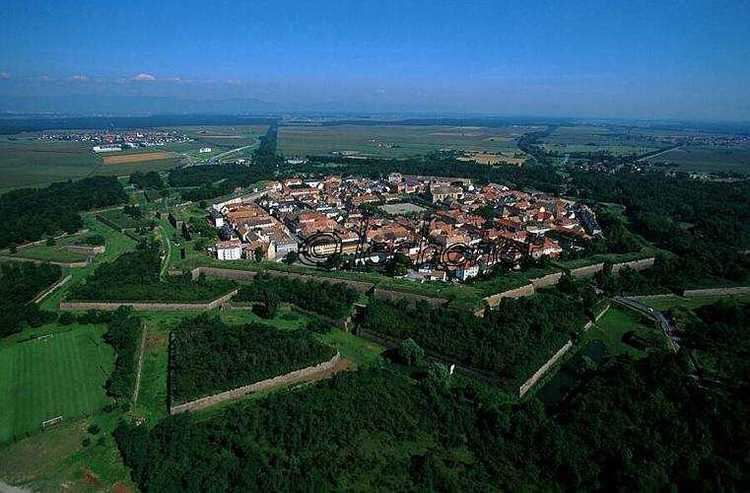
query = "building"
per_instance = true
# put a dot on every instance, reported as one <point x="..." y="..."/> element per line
<point x="441" y="193"/>
<point x="204" y="150"/>
<point x="229" y="250"/>
<point x="107" y="148"/>
<point x="466" y="272"/>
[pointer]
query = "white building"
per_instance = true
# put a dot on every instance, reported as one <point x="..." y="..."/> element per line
<point x="467" y="272"/>
<point x="107" y="148"/>
<point x="229" y="250"/>
<point x="204" y="150"/>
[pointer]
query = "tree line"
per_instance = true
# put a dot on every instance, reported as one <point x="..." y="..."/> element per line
<point x="29" y="214"/>
<point x="20" y="282"/>
<point x="333" y="300"/>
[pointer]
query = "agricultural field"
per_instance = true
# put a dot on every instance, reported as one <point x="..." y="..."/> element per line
<point x="395" y="140"/>
<point x="592" y="139"/>
<point x="708" y="158"/>
<point x="51" y="371"/>
<point x="27" y="162"/>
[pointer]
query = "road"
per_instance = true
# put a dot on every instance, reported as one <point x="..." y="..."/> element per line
<point x="231" y="151"/>
<point x="651" y="156"/>
<point x="654" y="315"/>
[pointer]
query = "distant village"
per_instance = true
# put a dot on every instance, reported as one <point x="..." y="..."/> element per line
<point x="118" y="140"/>
<point x="421" y="218"/>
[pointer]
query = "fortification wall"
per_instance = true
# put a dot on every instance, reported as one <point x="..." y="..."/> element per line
<point x="546" y="281"/>
<point x="143" y="306"/>
<point x="641" y="264"/>
<point x="717" y="292"/>
<point x="587" y="271"/>
<point x="304" y="374"/>
<point x="544" y="369"/>
<point x="411" y="298"/>
<point x="495" y="299"/>
<point x="243" y="275"/>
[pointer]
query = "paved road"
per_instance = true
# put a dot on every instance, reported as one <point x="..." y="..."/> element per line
<point x="668" y="149"/>
<point x="654" y="315"/>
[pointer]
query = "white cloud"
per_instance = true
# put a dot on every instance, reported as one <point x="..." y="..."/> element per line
<point x="4" y="76"/>
<point x="79" y="78"/>
<point x="143" y="77"/>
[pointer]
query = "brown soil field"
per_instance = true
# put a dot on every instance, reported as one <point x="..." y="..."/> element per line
<point x="137" y="158"/>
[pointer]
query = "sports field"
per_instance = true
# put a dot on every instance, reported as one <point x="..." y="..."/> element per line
<point x="61" y="372"/>
<point x="395" y="140"/>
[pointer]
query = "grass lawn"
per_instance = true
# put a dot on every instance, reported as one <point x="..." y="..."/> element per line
<point x="615" y="323"/>
<point x="54" y="253"/>
<point x="62" y="374"/>
<point x="361" y="352"/>
<point x="117" y="244"/>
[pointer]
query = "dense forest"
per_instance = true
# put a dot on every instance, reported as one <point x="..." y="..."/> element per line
<point x="134" y="276"/>
<point x="19" y="283"/>
<point x="707" y="224"/>
<point x="124" y="335"/>
<point x="208" y="356"/>
<point x="511" y="341"/>
<point x="636" y="426"/>
<point x="150" y="180"/>
<point x="32" y="213"/>
<point x="328" y="299"/>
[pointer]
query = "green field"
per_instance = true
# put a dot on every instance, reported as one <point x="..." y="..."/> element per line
<point x="395" y="140"/>
<point x="674" y="301"/>
<point x="709" y="158"/>
<point x="593" y="139"/>
<point x="611" y="328"/>
<point x="59" y="373"/>
<point x="26" y="162"/>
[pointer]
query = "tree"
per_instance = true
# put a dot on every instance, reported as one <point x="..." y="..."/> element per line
<point x="291" y="257"/>
<point x="410" y="352"/>
<point x="259" y="254"/>
<point x="398" y="265"/>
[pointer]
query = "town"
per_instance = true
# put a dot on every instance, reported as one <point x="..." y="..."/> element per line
<point x="112" y="141"/>
<point x="443" y="228"/>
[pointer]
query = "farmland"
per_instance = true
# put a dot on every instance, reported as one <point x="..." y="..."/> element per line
<point x="709" y="158"/>
<point x="395" y="140"/>
<point x="58" y="371"/>
<point x="25" y="162"/>
<point x="593" y="139"/>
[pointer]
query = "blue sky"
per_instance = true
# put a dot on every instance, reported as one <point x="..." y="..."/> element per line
<point x="687" y="59"/>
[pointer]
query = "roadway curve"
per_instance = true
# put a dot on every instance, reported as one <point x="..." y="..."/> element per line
<point x="654" y="315"/>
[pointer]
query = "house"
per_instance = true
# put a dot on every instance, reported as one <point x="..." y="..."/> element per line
<point x="466" y="272"/>
<point x="229" y="250"/>
<point x="217" y="219"/>
<point x="441" y="192"/>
